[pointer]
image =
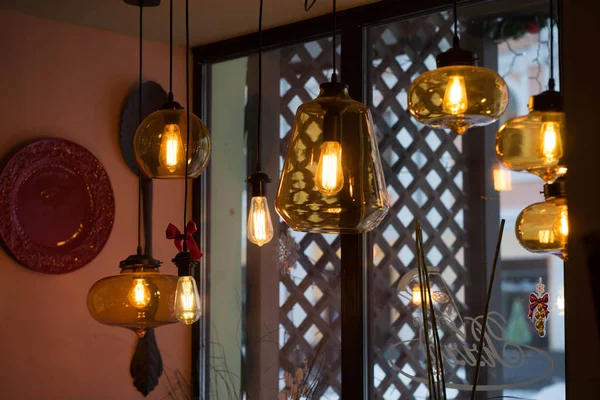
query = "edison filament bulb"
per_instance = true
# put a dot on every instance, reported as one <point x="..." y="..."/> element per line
<point x="329" y="178"/>
<point x="187" y="301"/>
<point x="260" y="227"/>
<point x="139" y="295"/>
<point x="455" y="97"/>
<point x="171" y="148"/>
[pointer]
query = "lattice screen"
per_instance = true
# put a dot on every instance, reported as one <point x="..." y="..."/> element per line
<point x="424" y="173"/>
<point x="310" y="295"/>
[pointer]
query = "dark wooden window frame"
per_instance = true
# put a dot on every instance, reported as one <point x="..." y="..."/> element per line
<point x="358" y="375"/>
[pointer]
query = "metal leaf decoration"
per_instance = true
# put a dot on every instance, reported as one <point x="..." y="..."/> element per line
<point x="286" y="254"/>
<point x="146" y="365"/>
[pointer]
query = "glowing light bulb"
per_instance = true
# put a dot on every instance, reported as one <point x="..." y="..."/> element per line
<point x="455" y="97"/>
<point x="260" y="228"/>
<point x="416" y="296"/>
<point x="546" y="236"/>
<point x="171" y="153"/>
<point x="502" y="179"/>
<point x="139" y="295"/>
<point x="550" y="149"/>
<point x="187" y="301"/>
<point x="561" y="226"/>
<point x="329" y="178"/>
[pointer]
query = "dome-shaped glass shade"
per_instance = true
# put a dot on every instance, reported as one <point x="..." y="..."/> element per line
<point x="160" y="145"/>
<point x="137" y="299"/>
<point x="544" y="227"/>
<point x="332" y="179"/>
<point x="458" y="97"/>
<point x="534" y="143"/>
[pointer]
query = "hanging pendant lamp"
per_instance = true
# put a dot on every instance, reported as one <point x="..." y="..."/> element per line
<point x="544" y="227"/>
<point x="332" y="179"/>
<point x="457" y="95"/>
<point x="161" y="141"/>
<point x="536" y="142"/>
<point x="187" y="305"/>
<point x="140" y="297"/>
<point x="259" y="229"/>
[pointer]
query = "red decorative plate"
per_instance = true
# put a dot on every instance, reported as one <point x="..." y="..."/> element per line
<point x="56" y="206"/>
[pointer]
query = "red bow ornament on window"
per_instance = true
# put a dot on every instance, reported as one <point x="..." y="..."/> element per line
<point x="178" y="238"/>
<point x="534" y="301"/>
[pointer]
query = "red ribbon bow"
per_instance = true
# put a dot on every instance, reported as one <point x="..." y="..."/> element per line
<point x="178" y="237"/>
<point x="534" y="301"/>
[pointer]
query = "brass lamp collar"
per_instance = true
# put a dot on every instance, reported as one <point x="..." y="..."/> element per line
<point x="257" y="183"/>
<point x="334" y="89"/>
<point x="550" y="100"/>
<point x="455" y="56"/>
<point x="556" y="189"/>
<point x="139" y="261"/>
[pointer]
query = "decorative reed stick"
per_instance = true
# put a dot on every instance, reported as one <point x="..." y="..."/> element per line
<point x="485" y="312"/>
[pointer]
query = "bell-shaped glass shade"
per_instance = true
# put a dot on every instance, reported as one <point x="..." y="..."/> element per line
<point x="138" y="299"/>
<point x="534" y="143"/>
<point x="187" y="301"/>
<point x="259" y="229"/>
<point x="544" y="227"/>
<point x="458" y="97"/>
<point x="160" y="145"/>
<point x="332" y="180"/>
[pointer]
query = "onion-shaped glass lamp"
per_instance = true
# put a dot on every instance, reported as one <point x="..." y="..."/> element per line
<point x="536" y="142"/>
<point x="457" y="95"/>
<point x="544" y="227"/>
<point x="332" y="179"/>
<point x="139" y="298"/>
<point x="160" y="143"/>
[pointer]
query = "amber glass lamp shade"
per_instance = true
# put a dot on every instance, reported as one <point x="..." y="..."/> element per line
<point x="544" y="227"/>
<point x="332" y="180"/>
<point x="160" y="144"/>
<point x="535" y="142"/>
<point x="139" y="298"/>
<point x="457" y="95"/>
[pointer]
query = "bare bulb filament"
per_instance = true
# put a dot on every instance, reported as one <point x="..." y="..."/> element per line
<point x="171" y="153"/>
<point x="139" y="295"/>
<point x="329" y="178"/>
<point x="260" y="227"/>
<point x="455" y="97"/>
<point x="187" y="300"/>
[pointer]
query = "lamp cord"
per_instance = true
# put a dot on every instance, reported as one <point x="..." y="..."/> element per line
<point x="455" y="12"/>
<point x="139" y="227"/>
<point x="551" y="80"/>
<point x="307" y="7"/>
<point x="258" y="128"/>
<point x="171" y="51"/>
<point x="188" y="121"/>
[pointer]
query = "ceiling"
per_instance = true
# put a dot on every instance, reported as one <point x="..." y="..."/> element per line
<point x="210" y="20"/>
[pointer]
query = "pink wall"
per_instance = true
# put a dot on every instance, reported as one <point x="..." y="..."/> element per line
<point x="68" y="81"/>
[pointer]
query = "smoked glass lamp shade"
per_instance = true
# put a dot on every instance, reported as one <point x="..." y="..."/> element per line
<point x="332" y="180"/>
<point x="458" y="97"/>
<point x="534" y="143"/>
<point x="160" y="144"/>
<point x="544" y="227"/>
<point x="139" y="298"/>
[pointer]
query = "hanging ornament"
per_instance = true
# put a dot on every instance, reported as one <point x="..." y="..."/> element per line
<point x="161" y="143"/>
<point x="544" y="227"/>
<point x="259" y="229"/>
<point x="536" y="142"/>
<point x="332" y="179"/>
<point x="538" y="308"/>
<point x="286" y="254"/>
<point x="457" y="95"/>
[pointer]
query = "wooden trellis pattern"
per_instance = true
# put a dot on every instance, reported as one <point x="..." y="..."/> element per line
<point x="310" y="296"/>
<point x="424" y="172"/>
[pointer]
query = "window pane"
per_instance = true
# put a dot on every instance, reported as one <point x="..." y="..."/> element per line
<point x="428" y="181"/>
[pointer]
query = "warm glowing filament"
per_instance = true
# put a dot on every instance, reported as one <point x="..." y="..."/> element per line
<point x="329" y="178"/>
<point x="260" y="227"/>
<point x="171" y="148"/>
<point x="550" y="146"/>
<point x="416" y="296"/>
<point x="455" y="97"/>
<point x="545" y="236"/>
<point x="187" y="300"/>
<point x="139" y="294"/>
<point x="563" y="223"/>
<point x="502" y="179"/>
